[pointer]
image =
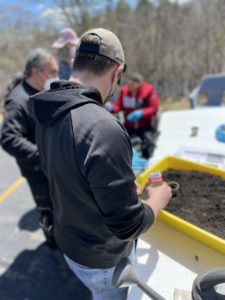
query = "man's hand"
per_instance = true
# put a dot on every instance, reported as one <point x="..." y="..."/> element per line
<point x="135" y="115"/>
<point x="138" y="188"/>
<point x="159" y="197"/>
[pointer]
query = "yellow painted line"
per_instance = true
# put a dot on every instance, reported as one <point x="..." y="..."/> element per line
<point x="11" y="188"/>
<point x="1" y="118"/>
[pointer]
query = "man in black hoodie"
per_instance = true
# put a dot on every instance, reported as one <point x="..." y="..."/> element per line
<point x="86" y="155"/>
<point x="18" y="129"/>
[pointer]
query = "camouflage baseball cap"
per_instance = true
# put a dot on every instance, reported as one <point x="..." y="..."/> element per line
<point x="109" y="45"/>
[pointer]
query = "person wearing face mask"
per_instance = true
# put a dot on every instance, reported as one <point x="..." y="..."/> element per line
<point x="18" y="130"/>
<point x="97" y="212"/>
<point x="65" y="50"/>
<point x="140" y="102"/>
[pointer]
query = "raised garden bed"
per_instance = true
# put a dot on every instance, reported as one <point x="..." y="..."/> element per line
<point x="200" y="199"/>
<point x="180" y="216"/>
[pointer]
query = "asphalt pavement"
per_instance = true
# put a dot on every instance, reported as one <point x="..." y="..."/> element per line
<point x="29" y="270"/>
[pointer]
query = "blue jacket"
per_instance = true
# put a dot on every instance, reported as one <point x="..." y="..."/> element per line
<point x="64" y="70"/>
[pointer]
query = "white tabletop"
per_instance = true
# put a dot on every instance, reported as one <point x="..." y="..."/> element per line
<point x="168" y="259"/>
<point x="176" y="130"/>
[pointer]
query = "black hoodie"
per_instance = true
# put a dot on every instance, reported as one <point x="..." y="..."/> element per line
<point x="86" y="155"/>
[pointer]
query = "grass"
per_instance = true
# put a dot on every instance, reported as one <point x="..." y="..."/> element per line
<point x="170" y="104"/>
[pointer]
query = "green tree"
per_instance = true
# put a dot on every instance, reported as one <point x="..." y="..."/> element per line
<point x="86" y="21"/>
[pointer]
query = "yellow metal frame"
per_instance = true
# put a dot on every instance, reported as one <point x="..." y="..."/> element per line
<point x="193" y="231"/>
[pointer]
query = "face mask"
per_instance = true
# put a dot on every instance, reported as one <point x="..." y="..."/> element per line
<point x="111" y="93"/>
<point x="48" y="83"/>
<point x="112" y="90"/>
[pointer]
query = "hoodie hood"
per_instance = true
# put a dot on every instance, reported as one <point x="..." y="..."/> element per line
<point x="49" y="106"/>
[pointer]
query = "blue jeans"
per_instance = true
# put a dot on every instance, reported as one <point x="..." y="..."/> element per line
<point x="99" y="281"/>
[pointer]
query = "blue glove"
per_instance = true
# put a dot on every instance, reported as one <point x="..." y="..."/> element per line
<point x="220" y="133"/>
<point x="135" y="115"/>
<point x="138" y="163"/>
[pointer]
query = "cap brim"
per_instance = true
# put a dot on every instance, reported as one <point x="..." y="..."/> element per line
<point x="60" y="43"/>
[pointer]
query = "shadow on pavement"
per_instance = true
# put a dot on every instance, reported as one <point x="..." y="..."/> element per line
<point x="30" y="221"/>
<point x="41" y="275"/>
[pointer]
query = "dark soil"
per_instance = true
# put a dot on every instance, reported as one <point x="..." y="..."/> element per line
<point x="200" y="199"/>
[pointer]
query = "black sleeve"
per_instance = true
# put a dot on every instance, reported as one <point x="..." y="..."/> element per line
<point x="107" y="168"/>
<point x="15" y="132"/>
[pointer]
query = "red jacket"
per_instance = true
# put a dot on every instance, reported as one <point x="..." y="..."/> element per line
<point x="145" y="99"/>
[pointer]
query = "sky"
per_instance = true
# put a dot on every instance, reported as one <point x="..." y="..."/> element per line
<point x="29" y="4"/>
<point x="36" y="8"/>
<point x="13" y="8"/>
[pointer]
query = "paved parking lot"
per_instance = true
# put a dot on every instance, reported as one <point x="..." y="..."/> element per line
<point x="29" y="270"/>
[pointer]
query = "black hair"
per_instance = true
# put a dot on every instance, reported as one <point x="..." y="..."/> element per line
<point x="92" y="63"/>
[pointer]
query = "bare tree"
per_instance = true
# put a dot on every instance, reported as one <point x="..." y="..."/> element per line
<point x="172" y="45"/>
